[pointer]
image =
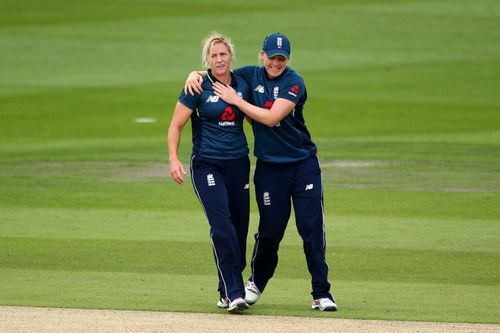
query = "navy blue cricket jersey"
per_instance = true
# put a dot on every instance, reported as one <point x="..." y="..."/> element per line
<point x="289" y="141"/>
<point x="217" y="127"/>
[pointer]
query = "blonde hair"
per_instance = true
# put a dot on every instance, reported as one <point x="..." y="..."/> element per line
<point x="211" y="40"/>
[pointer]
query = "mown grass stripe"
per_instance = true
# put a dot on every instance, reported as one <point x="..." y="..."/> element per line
<point x="174" y="257"/>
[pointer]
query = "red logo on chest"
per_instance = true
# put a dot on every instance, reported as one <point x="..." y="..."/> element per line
<point x="228" y="114"/>
<point x="268" y="105"/>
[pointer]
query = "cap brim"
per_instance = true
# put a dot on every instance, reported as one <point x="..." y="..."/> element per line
<point x="276" y="52"/>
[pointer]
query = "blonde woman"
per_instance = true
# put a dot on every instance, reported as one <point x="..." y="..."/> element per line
<point x="219" y="166"/>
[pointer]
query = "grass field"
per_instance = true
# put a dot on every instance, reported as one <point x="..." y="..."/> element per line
<point x="404" y="106"/>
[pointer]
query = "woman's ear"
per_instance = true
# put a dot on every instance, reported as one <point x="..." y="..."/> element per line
<point x="260" y="58"/>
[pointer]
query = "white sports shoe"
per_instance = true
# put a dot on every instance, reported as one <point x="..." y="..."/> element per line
<point x="236" y="305"/>
<point x="324" y="304"/>
<point x="252" y="293"/>
<point x="223" y="303"/>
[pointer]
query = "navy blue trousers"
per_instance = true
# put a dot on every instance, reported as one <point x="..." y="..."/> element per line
<point x="276" y="187"/>
<point x="222" y="186"/>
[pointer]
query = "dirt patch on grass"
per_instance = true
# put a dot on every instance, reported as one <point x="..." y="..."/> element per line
<point x="54" y="320"/>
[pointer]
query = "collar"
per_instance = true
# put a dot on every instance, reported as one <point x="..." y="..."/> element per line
<point x="213" y="79"/>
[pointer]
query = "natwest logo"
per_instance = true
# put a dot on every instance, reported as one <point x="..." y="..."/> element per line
<point x="294" y="90"/>
<point x="228" y="114"/>
<point x="268" y="105"/>
<point x="227" y="117"/>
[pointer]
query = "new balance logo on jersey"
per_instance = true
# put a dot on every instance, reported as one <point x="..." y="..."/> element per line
<point x="210" y="180"/>
<point x="259" y="89"/>
<point x="309" y="187"/>
<point x="267" y="199"/>
<point x="212" y="99"/>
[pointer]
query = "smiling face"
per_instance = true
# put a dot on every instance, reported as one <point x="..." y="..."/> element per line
<point x="274" y="66"/>
<point x="219" y="59"/>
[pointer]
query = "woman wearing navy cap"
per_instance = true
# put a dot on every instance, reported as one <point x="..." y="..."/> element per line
<point x="287" y="168"/>
<point x="220" y="166"/>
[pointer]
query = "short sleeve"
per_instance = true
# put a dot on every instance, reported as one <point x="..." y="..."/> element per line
<point x="292" y="90"/>
<point x="190" y="101"/>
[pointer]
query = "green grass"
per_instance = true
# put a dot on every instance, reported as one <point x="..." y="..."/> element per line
<point x="403" y="104"/>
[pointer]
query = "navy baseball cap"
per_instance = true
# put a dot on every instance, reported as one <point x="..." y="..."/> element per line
<point x="276" y="44"/>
